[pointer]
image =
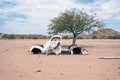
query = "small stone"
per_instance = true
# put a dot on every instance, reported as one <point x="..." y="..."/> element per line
<point x="20" y="76"/>
<point x="108" y="79"/>
<point x="40" y="62"/>
<point x="61" y="73"/>
<point x="38" y="71"/>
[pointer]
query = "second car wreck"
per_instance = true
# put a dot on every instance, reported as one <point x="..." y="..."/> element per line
<point x="54" y="46"/>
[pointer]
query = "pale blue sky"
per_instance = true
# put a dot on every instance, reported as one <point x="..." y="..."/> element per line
<point x="33" y="16"/>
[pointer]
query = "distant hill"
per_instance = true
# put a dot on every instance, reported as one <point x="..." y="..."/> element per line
<point x="104" y="33"/>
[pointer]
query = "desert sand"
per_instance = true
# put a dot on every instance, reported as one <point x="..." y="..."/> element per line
<point x="16" y="63"/>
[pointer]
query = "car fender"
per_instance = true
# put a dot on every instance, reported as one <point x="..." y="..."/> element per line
<point x="38" y="47"/>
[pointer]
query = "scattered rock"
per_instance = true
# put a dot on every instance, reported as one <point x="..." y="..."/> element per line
<point x="5" y="50"/>
<point x="90" y="67"/>
<point x="38" y="71"/>
<point x="40" y="62"/>
<point x="61" y="73"/>
<point x="118" y="67"/>
<point x="20" y="76"/>
<point x="107" y="79"/>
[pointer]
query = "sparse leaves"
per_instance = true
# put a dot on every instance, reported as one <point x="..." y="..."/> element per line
<point x="75" y="22"/>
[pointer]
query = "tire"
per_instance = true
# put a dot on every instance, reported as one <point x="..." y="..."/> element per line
<point x="36" y="51"/>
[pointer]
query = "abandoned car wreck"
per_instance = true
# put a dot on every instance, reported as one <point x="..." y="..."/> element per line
<point x="53" y="46"/>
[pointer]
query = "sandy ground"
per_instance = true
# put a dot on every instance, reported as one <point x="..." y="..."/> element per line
<point x="16" y="63"/>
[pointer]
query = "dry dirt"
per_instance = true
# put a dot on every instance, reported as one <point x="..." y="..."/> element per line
<point x="16" y="63"/>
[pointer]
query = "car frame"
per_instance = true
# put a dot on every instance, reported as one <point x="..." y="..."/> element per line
<point x="51" y="46"/>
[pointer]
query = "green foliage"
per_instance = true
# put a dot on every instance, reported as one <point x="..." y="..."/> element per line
<point x="79" y="37"/>
<point x="12" y="37"/>
<point x="75" y="22"/>
<point x="67" y="37"/>
<point x="5" y="36"/>
<point x="22" y="37"/>
<point x="94" y="37"/>
<point x="34" y="37"/>
<point x="114" y="37"/>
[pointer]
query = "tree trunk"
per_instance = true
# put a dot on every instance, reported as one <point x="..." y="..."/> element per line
<point x="74" y="39"/>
